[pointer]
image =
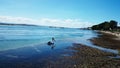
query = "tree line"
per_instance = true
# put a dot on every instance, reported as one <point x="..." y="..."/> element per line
<point x="107" y="25"/>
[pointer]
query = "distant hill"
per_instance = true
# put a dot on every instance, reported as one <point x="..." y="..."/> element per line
<point x="17" y="24"/>
<point x="12" y="24"/>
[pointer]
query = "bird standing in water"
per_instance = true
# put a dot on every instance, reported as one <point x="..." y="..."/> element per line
<point x="51" y="42"/>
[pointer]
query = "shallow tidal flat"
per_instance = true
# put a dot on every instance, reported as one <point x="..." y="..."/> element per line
<point x="87" y="57"/>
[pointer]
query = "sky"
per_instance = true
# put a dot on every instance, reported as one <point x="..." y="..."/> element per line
<point x="61" y="13"/>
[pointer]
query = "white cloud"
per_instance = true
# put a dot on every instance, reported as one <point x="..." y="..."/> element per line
<point x="74" y="23"/>
<point x="65" y="23"/>
<point x="18" y="20"/>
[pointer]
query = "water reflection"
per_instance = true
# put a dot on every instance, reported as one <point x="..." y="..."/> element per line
<point x="52" y="47"/>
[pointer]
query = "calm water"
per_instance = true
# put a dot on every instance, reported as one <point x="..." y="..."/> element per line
<point x="12" y="37"/>
<point x="25" y="46"/>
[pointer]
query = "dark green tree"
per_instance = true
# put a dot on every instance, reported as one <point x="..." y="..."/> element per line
<point x="106" y="25"/>
<point x="95" y="27"/>
<point x="113" y="24"/>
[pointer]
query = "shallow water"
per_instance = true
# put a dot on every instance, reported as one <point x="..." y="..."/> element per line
<point x="12" y="37"/>
<point x="28" y="44"/>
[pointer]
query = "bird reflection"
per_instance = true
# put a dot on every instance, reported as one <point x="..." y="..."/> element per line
<point x="52" y="46"/>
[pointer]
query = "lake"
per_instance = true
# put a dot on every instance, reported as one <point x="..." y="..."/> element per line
<point x="12" y="37"/>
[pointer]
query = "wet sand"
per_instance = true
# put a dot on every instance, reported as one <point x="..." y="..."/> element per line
<point x="86" y="57"/>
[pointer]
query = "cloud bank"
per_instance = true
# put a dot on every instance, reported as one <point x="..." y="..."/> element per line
<point x="72" y="23"/>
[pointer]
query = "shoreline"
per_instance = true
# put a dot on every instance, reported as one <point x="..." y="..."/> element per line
<point x="117" y="34"/>
<point x="107" y="39"/>
<point x="86" y="57"/>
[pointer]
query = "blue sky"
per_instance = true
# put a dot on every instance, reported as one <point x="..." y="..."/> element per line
<point x="76" y="13"/>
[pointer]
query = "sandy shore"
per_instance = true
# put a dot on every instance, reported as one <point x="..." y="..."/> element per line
<point x="117" y="34"/>
<point x="107" y="40"/>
